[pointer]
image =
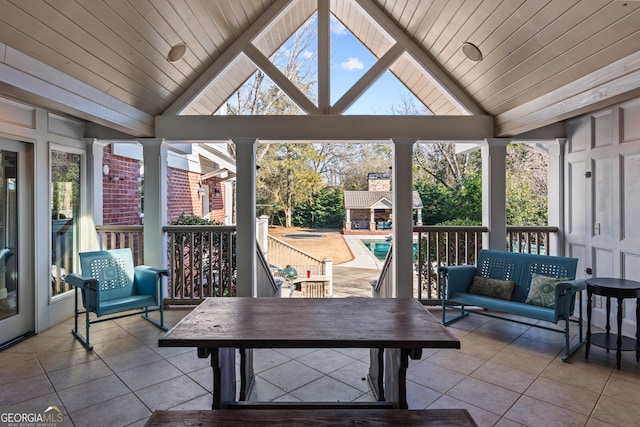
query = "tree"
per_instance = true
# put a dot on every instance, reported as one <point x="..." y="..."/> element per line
<point x="287" y="177"/>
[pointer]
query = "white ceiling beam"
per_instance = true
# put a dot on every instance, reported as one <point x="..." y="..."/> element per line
<point x="324" y="128"/>
<point x="262" y="22"/>
<point x="31" y="80"/>
<point x="614" y="83"/>
<point x="324" y="65"/>
<point x="370" y="77"/>
<point x="438" y="76"/>
<point x="282" y="81"/>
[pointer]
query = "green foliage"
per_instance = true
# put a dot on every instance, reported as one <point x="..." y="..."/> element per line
<point x="288" y="178"/>
<point x="460" y="204"/>
<point x="324" y="209"/>
<point x="193" y="219"/>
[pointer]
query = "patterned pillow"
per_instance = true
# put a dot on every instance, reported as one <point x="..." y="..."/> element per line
<point x="492" y="287"/>
<point x="542" y="290"/>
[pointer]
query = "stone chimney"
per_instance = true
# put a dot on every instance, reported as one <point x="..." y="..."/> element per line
<point x="379" y="181"/>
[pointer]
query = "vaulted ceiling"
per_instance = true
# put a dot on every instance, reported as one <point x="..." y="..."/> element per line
<point x="105" y="61"/>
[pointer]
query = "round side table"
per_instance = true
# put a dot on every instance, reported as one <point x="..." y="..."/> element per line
<point x="619" y="289"/>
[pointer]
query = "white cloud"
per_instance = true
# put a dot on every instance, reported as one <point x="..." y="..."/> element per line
<point x="336" y="26"/>
<point x="352" y="64"/>
<point x="307" y="54"/>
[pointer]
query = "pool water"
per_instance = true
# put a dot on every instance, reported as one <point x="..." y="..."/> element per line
<point x="380" y="248"/>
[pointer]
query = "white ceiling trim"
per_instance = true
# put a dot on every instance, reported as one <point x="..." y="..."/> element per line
<point x="324" y="128"/>
<point x="438" y="76"/>
<point x="282" y="81"/>
<point x="203" y="81"/>
<point x="614" y="83"/>
<point x="44" y="85"/>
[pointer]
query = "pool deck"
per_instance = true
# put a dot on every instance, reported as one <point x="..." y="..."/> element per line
<point x="362" y="256"/>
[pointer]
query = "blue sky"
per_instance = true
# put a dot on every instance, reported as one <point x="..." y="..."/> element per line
<point x="349" y="61"/>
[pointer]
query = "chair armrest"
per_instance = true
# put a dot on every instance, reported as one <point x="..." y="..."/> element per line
<point x="565" y="295"/>
<point x="456" y="278"/>
<point x="80" y="282"/>
<point x="147" y="280"/>
<point x="571" y="286"/>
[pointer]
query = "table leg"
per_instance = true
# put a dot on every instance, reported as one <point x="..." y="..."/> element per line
<point x="619" y="340"/>
<point x="223" y="365"/>
<point x="587" y="345"/>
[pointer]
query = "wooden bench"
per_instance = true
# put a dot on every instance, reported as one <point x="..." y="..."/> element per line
<point x="246" y="417"/>
<point x="110" y="284"/>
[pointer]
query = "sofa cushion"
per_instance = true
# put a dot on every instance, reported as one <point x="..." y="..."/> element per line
<point x="494" y="288"/>
<point x="542" y="290"/>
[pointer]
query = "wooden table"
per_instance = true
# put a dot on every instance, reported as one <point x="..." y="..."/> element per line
<point x="218" y="326"/>
<point x="619" y="289"/>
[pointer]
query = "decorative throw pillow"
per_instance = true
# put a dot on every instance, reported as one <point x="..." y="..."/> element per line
<point x="492" y="287"/>
<point x="542" y="290"/>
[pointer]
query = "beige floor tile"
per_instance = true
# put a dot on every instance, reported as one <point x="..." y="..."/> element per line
<point x="484" y="395"/>
<point x="354" y="374"/>
<point x="15" y="368"/>
<point x="131" y="359"/>
<point x="170" y="393"/>
<point x="24" y="389"/>
<point x="326" y="360"/>
<point x="120" y="411"/>
<point x="533" y="412"/>
<point x="523" y="361"/>
<point x="419" y="396"/>
<point x="573" y="398"/>
<point x="480" y="416"/>
<point x="504" y="376"/>
<point x="623" y="390"/>
<point x="482" y="347"/>
<point x="617" y="412"/>
<point x="456" y="361"/>
<point x="52" y="362"/>
<point x="291" y="375"/>
<point x="151" y="373"/>
<point x="79" y="374"/>
<point x="91" y="393"/>
<point x="573" y="373"/>
<point x="433" y="376"/>
<point x="326" y="389"/>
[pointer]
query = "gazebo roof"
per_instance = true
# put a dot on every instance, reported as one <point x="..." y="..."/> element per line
<point x="374" y="199"/>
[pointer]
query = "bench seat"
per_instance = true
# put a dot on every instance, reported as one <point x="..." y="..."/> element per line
<point x="519" y="269"/>
<point x="247" y="417"/>
<point x="131" y="302"/>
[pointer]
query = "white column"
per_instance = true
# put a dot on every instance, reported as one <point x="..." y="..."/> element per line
<point x="155" y="201"/>
<point x="555" y="196"/>
<point x="403" y="218"/>
<point x="246" y="218"/>
<point x="494" y="212"/>
<point x="228" y="202"/>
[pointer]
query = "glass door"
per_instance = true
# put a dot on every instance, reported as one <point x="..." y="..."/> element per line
<point x="16" y="289"/>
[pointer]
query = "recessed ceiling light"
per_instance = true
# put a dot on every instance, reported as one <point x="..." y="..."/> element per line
<point x="177" y="52"/>
<point x="471" y="51"/>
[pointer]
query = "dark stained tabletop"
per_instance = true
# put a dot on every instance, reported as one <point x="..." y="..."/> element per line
<point x="309" y="323"/>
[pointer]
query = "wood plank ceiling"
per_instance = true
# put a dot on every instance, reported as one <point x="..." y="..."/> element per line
<point x="105" y="60"/>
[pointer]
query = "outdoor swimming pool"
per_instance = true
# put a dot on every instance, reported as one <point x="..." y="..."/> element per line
<point x="380" y="248"/>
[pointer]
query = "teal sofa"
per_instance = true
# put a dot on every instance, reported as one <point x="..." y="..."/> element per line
<point x="467" y="286"/>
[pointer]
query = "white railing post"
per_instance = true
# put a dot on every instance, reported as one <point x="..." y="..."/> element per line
<point x="328" y="273"/>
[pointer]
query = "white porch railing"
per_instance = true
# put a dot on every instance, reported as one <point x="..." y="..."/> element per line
<point x="281" y="254"/>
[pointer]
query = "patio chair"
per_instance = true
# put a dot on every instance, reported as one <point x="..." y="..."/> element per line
<point x="110" y="284"/>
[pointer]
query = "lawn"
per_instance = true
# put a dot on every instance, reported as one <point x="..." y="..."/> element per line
<point x="326" y="243"/>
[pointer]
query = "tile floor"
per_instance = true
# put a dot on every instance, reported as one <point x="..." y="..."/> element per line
<point x="505" y="374"/>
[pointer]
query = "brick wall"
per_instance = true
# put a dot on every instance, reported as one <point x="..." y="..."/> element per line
<point x="121" y="190"/>
<point x="182" y="194"/>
